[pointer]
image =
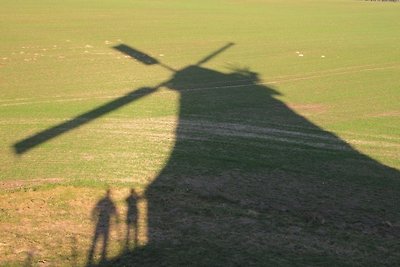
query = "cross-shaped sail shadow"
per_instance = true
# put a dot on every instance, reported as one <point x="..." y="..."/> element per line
<point x="37" y="139"/>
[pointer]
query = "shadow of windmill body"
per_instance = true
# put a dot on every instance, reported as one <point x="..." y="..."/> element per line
<point x="251" y="182"/>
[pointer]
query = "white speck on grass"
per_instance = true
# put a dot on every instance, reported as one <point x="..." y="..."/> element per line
<point x="86" y="51"/>
<point x="301" y="55"/>
<point x="161" y="55"/>
<point x="297" y="52"/>
<point x="88" y="46"/>
<point x="68" y="41"/>
<point x="54" y="46"/>
<point x="107" y="42"/>
<point x="322" y="56"/>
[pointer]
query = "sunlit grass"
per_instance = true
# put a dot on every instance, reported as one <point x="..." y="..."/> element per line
<point x="57" y="62"/>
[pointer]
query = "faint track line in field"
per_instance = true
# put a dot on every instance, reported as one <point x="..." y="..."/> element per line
<point x="238" y="129"/>
<point x="332" y="73"/>
<point x="279" y="79"/>
<point x="204" y="130"/>
<point x="347" y="134"/>
<point x="58" y="100"/>
<point x="321" y="140"/>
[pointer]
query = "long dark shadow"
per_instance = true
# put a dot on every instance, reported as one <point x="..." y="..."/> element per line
<point x="48" y="134"/>
<point x="140" y="56"/>
<point x="132" y="216"/>
<point x="136" y="54"/>
<point x="213" y="54"/>
<point x="102" y="214"/>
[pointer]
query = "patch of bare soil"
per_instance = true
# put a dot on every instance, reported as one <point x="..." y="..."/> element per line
<point x="56" y="227"/>
<point x="13" y="185"/>
<point x="272" y="210"/>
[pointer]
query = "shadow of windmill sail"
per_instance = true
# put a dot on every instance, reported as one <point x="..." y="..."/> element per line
<point x="41" y="137"/>
<point x="249" y="180"/>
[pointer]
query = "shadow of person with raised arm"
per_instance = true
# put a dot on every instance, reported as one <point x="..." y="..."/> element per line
<point x="104" y="211"/>
<point x="132" y="224"/>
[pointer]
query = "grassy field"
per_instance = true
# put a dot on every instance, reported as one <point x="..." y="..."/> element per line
<point x="227" y="133"/>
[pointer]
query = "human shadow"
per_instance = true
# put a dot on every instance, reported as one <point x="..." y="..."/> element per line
<point x="102" y="214"/>
<point x="251" y="182"/>
<point x="132" y="231"/>
<point x="74" y="251"/>
<point x="29" y="259"/>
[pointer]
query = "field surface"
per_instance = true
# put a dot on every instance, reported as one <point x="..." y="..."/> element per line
<point x="199" y="133"/>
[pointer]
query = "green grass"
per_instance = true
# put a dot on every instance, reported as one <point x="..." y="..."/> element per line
<point x="259" y="156"/>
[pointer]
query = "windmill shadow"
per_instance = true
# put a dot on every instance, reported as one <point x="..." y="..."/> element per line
<point x="248" y="178"/>
<point x="242" y="160"/>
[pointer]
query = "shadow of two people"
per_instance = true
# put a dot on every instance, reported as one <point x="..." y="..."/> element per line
<point x="103" y="214"/>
